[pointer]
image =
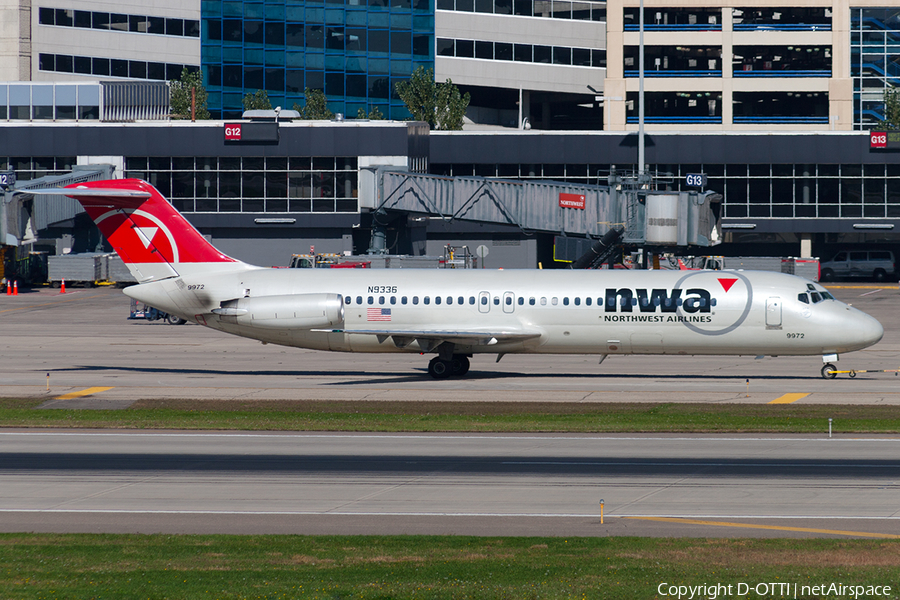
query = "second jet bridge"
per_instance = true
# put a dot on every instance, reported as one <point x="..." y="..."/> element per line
<point x="653" y="218"/>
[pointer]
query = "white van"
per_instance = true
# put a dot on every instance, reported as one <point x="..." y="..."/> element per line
<point x="873" y="264"/>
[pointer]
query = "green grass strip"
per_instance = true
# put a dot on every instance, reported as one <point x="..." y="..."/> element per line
<point x="129" y="567"/>
<point x="461" y="417"/>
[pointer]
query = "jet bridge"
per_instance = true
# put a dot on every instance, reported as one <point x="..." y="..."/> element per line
<point x="649" y="217"/>
<point x="21" y="218"/>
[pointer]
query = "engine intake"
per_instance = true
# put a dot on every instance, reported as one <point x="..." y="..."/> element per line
<point x="298" y="311"/>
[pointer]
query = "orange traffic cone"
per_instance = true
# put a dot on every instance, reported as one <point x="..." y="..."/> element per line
<point x="62" y="288"/>
<point x="15" y="288"/>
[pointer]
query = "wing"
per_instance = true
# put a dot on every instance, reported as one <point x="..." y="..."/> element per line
<point x="429" y="339"/>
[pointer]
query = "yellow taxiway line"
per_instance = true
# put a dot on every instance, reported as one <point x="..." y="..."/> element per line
<point x="770" y="527"/>
<point x="81" y="393"/>
<point x="789" y="398"/>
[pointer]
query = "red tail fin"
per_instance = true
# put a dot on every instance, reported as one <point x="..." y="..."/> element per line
<point x="142" y="227"/>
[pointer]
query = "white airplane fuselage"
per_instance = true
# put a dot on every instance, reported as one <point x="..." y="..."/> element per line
<point x="569" y="312"/>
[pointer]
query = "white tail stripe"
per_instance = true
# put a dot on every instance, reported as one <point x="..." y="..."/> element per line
<point x="145" y="214"/>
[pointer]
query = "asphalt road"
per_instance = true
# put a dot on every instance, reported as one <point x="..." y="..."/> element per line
<point x="460" y="484"/>
<point x="83" y="340"/>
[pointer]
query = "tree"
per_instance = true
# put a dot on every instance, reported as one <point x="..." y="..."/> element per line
<point x="438" y="104"/>
<point x="257" y="101"/>
<point x="891" y="109"/>
<point x="374" y="115"/>
<point x="316" y="107"/>
<point x="180" y="96"/>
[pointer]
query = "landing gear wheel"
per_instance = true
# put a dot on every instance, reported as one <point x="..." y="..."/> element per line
<point x="829" y="371"/>
<point x="439" y="369"/>
<point x="459" y="365"/>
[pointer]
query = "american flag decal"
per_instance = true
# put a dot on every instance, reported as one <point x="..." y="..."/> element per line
<point x="378" y="314"/>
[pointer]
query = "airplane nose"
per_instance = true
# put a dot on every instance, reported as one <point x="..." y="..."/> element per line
<point x="864" y="330"/>
<point x="871" y="330"/>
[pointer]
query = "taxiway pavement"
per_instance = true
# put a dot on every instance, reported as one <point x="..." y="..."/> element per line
<point x="84" y="341"/>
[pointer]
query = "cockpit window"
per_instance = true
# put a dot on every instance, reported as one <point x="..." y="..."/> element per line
<point x="827" y="296"/>
<point x="810" y="287"/>
<point x="816" y="297"/>
<point x="803" y="298"/>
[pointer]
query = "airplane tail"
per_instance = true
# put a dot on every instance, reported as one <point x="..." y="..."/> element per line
<point x="153" y="239"/>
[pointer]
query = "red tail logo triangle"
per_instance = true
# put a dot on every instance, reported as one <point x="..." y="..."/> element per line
<point x="727" y="283"/>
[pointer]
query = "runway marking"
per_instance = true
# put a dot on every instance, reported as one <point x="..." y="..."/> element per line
<point x="770" y="527"/>
<point x="81" y="393"/>
<point x="789" y="398"/>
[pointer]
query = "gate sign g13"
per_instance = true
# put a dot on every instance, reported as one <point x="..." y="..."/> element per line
<point x="695" y="180"/>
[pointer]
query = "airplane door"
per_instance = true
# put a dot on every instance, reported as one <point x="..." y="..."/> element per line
<point x="773" y="312"/>
<point x="509" y="302"/>
<point x="484" y="302"/>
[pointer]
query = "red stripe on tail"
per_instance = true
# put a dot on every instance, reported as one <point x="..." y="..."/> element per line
<point x="145" y="230"/>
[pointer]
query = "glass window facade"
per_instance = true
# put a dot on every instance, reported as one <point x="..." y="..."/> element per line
<point x="32" y="167"/>
<point x="486" y="50"/>
<point x="48" y="101"/>
<point x="548" y="9"/>
<point x="65" y="17"/>
<point x="252" y="184"/>
<point x="112" y="67"/>
<point x="674" y="19"/>
<point x="779" y="191"/>
<point x="356" y="53"/>
<point x="874" y="61"/>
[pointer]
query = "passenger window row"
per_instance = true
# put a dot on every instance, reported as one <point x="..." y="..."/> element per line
<point x="532" y="301"/>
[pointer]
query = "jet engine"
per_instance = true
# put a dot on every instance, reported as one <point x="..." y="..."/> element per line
<point x="298" y="311"/>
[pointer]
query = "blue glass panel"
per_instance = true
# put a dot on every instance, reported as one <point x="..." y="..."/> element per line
<point x="402" y="68"/>
<point x="233" y="9"/>
<point x="275" y="57"/>
<point x="379" y="19"/>
<point x="423" y="23"/>
<point x="294" y="13"/>
<point x="254" y="10"/>
<point x="334" y="16"/>
<point x="275" y="12"/>
<point x="315" y="61"/>
<point x="357" y="17"/>
<point x="378" y="65"/>
<point x="315" y="15"/>
<point x="356" y="64"/>
<point x="295" y="59"/>
<point x="232" y="55"/>
<point x="401" y="21"/>
<point x="212" y="54"/>
<point x="211" y="8"/>
<point x="334" y="62"/>
<point x="254" y="56"/>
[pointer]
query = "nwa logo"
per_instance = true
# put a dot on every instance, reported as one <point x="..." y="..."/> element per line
<point x="690" y="305"/>
<point x="658" y="300"/>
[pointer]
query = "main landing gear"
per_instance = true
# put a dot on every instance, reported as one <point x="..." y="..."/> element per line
<point x="457" y="366"/>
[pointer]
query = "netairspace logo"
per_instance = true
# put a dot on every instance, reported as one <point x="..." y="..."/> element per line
<point x="757" y="591"/>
